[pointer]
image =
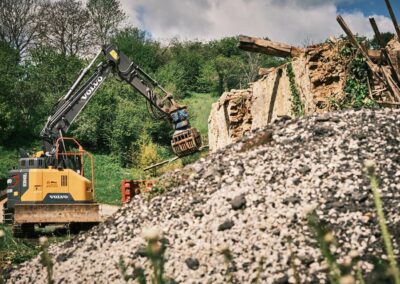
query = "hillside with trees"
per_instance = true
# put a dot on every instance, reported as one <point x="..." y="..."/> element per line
<point x="45" y="47"/>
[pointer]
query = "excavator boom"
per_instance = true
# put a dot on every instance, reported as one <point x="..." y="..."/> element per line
<point x="185" y="141"/>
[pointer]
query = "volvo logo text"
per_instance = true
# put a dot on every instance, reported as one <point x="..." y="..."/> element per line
<point x="58" y="196"/>
<point x="92" y="88"/>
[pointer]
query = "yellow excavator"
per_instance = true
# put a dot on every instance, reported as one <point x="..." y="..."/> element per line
<point x="53" y="186"/>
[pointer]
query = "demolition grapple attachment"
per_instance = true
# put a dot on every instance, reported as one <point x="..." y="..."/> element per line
<point x="186" y="142"/>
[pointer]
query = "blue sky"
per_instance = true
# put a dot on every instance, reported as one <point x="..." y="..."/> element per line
<point x="298" y="22"/>
<point x="368" y="7"/>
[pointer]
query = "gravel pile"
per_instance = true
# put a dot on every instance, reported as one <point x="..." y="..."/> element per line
<point x="253" y="197"/>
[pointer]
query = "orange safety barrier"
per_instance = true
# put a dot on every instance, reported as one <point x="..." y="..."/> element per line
<point x="130" y="188"/>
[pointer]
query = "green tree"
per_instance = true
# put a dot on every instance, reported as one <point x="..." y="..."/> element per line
<point x="209" y="78"/>
<point x="226" y="47"/>
<point x="68" y="27"/>
<point x="189" y="58"/>
<point x="388" y="36"/>
<point x="29" y="91"/>
<point x="48" y="76"/>
<point x="230" y="73"/>
<point x="106" y="16"/>
<point x="140" y="48"/>
<point x="227" y="67"/>
<point x="21" y="22"/>
<point x="10" y="73"/>
<point x="94" y="127"/>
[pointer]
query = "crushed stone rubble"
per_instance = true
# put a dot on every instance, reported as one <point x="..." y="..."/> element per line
<point x="253" y="198"/>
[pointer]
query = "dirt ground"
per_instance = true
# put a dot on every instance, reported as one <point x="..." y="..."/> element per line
<point x="107" y="210"/>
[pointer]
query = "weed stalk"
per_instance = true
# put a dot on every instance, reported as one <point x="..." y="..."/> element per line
<point x="325" y="239"/>
<point x="371" y="170"/>
<point x="45" y="259"/>
<point x="228" y="259"/>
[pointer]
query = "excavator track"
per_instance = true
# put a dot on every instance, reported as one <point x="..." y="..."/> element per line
<point x="23" y="230"/>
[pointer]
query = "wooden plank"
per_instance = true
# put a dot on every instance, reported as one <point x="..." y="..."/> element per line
<point x="391" y="83"/>
<point x="161" y="163"/>
<point x="56" y="213"/>
<point x="377" y="33"/>
<point x="397" y="104"/>
<point x="268" y="47"/>
<point x="172" y="159"/>
<point x="381" y="43"/>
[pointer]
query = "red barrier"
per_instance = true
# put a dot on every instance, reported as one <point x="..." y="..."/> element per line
<point x="130" y="188"/>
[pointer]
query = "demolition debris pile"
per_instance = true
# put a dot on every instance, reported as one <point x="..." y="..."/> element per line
<point x="253" y="198"/>
<point x="317" y="79"/>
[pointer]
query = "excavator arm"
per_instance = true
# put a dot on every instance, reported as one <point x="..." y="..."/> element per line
<point x="186" y="140"/>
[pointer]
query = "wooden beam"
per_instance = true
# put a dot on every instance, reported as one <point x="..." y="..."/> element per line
<point x="382" y="44"/>
<point x="268" y="47"/>
<point x="356" y="44"/>
<point x="394" y="20"/>
<point x="391" y="83"/>
<point x="377" y="32"/>
<point x="278" y="49"/>
<point x="388" y="103"/>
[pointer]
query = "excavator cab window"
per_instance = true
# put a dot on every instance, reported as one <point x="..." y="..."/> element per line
<point x="31" y="163"/>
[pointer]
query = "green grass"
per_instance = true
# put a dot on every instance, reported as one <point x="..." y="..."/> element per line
<point x="297" y="104"/>
<point x="371" y="167"/>
<point x="108" y="176"/>
<point x="199" y="109"/>
<point x="13" y="250"/>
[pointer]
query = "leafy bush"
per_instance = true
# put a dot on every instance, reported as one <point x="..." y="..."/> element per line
<point x="356" y="85"/>
<point x="8" y="160"/>
<point x="140" y="48"/>
<point x="147" y="154"/>
<point x="356" y="88"/>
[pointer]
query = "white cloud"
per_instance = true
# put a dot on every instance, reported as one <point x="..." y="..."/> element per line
<point x="360" y="23"/>
<point x="291" y="21"/>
